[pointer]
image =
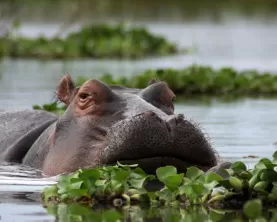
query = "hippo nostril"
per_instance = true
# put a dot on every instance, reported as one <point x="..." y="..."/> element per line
<point x="149" y="114"/>
<point x="179" y="118"/>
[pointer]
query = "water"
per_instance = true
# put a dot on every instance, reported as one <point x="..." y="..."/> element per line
<point x="222" y="36"/>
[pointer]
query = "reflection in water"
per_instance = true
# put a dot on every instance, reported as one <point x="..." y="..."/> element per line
<point x="76" y="212"/>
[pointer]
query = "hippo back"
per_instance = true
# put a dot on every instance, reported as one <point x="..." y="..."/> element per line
<point x="19" y="130"/>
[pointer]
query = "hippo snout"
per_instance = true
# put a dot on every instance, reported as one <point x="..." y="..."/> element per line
<point x="151" y="139"/>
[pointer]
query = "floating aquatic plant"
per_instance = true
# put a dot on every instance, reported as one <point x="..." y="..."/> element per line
<point x="94" y="41"/>
<point x="194" y="80"/>
<point x="125" y="185"/>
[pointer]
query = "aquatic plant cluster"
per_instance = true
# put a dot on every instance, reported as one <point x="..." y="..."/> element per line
<point x="123" y="185"/>
<point x="94" y="41"/>
<point x="193" y="80"/>
<point x="199" y="80"/>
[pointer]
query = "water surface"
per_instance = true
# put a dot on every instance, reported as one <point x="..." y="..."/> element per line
<point x="222" y="37"/>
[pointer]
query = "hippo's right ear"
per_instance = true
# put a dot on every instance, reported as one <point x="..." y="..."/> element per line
<point x="66" y="89"/>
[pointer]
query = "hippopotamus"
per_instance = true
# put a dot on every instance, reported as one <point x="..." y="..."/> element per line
<point x="102" y="125"/>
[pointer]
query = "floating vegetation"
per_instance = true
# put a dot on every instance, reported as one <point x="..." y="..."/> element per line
<point x="53" y="108"/>
<point x="125" y="185"/>
<point x="202" y="80"/>
<point x="195" y="81"/>
<point x="95" y="41"/>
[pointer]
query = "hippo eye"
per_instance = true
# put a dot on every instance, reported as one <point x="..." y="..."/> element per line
<point x="83" y="95"/>
<point x="173" y="99"/>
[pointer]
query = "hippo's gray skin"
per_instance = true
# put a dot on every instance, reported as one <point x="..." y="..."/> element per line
<point x="102" y="125"/>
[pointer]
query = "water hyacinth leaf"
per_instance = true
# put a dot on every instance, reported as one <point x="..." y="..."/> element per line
<point x="261" y="186"/>
<point x="78" y="192"/>
<point x="76" y="183"/>
<point x="174" y="181"/>
<point x="268" y="175"/>
<point x="225" y="183"/>
<point x="121" y="176"/>
<point x="139" y="183"/>
<point x="235" y="183"/>
<point x="274" y="188"/>
<point x="238" y="167"/>
<point x="193" y="173"/>
<point x="265" y="163"/>
<point x="197" y="188"/>
<point x="138" y="173"/>
<point x="245" y="175"/>
<point x="90" y="174"/>
<point x="100" y="182"/>
<point x="164" y="172"/>
<point x="274" y="155"/>
<point x="253" y="208"/>
<point x="51" y="191"/>
<point x="211" y="185"/>
<point x="127" y="166"/>
<point x="211" y="176"/>
<point x="165" y="194"/>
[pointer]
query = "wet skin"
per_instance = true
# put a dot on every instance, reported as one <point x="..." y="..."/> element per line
<point x="102" y="125"/>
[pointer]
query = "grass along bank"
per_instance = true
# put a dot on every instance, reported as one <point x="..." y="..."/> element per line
<point x="94" y="41"/>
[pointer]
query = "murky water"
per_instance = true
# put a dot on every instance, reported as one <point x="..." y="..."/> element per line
<point x="237" y="129"/>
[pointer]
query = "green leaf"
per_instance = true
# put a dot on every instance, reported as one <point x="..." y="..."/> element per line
<point x="51" y="191"/>
<point x="90" y="174"/>
<point x="211" y="176"/>
<point x="172" y="182"/>
<point x="139" y="183"/>
<point x="165" y="194"/>
<point x="235" y="183"/>
<point x="211" y="185"/>
<point x="238" y="167"/>
<point x="76" y="183"/>
<point x="121" y="176"/>
<point x="274" y="155"/>
<point x="253" y="208"/>
<point x="164" y="172"/>
<point x="265" y="163"/>
<point x="78" y="192"/>
<point x="268" y="175"/>
<point x="127" y="166"/>
<point x="138" y="173"/>
<point x="197" y="188"/>
<point x="193" y="173"/>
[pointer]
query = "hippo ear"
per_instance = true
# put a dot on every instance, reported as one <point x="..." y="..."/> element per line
<point x="159" y="95"/>
<point x="65" y="89"/>
<point x="152" y="81"/>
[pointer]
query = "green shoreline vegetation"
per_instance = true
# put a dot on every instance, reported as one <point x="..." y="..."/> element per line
<point x="94" y="41"/>
<point x="194" y="81"/>
<point x="125" y="185"/>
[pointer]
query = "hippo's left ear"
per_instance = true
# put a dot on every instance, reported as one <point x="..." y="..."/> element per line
<point x="152" y="81"/>
<point x="65" y="89"/>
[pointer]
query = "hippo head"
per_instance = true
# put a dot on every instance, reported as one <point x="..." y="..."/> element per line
<point x="105" y="124"/>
